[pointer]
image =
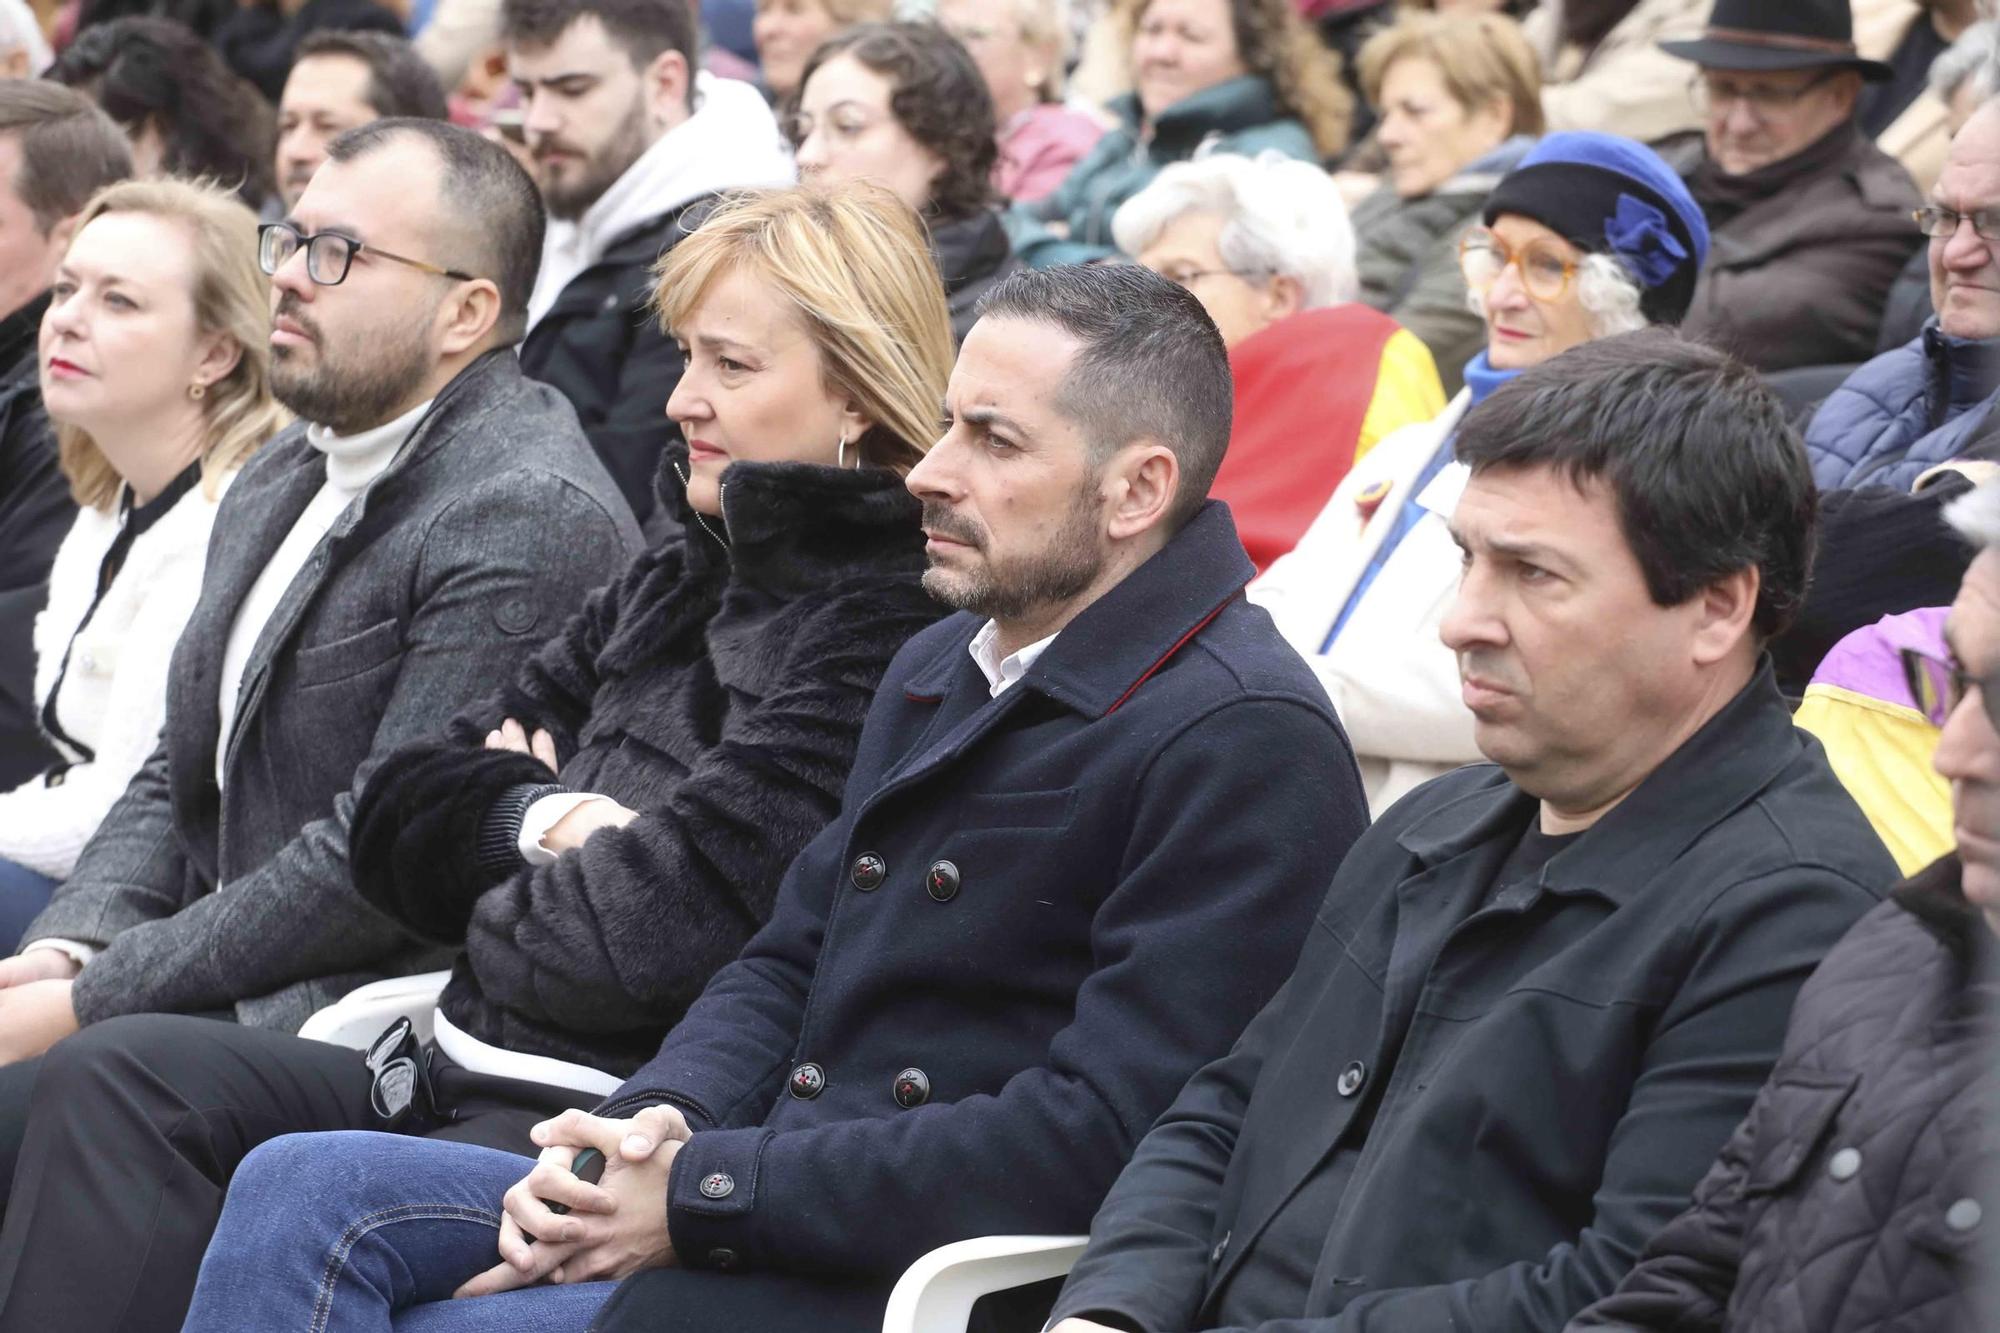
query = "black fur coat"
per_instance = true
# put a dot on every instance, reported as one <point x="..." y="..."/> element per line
<point x="719" y="692"/>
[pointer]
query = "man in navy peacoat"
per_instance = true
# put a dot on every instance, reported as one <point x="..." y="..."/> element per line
<point x="1541" y="993"/>
<point x="1080" y="846"/>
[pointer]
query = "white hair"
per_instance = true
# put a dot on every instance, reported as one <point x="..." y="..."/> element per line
<point x="1975" y="56"/>
<point x="1606" y="290"/>
<point x="1281" y="216"/>
<point x="19" y="30"/>
<point x="1975" y="515"/>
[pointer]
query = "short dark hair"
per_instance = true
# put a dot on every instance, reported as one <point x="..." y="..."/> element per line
<point x="938" y="96"/>
<point x="1707" y="473"/>
<point x="400" y="82"/>
<point x="495" y="223"/>
<point x="1151" y="364"/>
<point x="154" y="71"/>
<point x="69" y="149"/>
<point x="641" y="28"/>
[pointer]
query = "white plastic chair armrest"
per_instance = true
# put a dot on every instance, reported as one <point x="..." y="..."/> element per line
<point x="936" y="1294"/>
<point x="359" y="1016"/>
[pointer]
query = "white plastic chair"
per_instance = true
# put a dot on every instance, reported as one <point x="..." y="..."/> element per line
<point x="359" y="1016"/>
<point x="936" y="1293"/>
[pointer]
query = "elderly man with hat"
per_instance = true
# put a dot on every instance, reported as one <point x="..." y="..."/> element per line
<point x="1811" y="219"/>
<point x="1588" y="236"/>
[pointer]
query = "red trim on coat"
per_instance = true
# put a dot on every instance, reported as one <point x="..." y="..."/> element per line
<point x="1179" y="644"/>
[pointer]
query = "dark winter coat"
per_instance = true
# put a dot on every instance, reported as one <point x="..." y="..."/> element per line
<point x="719" y="693"/>
<point x="601" y="344"/>
<point x="1035" y="916"/>
<point x="1904" y="412"/>
<point x="1857" y="1195"/>
<point x="1572" y="1054"/>
<point x="491" y="525"/>
<point x="259" y="41"/>
<point x="1800" y="276"/>
<point x="972" y="253"/>
<point x="35" y="512"/>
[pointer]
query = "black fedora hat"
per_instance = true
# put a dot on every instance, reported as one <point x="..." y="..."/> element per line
<point x="1758" y="35"/>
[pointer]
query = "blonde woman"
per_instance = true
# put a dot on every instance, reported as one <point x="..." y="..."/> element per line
<point x="1022" y="47"/>
<point x="1208" y="76"/>
<point x="154" y="355"/>
<point x="613" y="826"/>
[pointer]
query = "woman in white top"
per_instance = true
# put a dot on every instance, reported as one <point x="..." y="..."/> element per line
<point x="154" y="367"/>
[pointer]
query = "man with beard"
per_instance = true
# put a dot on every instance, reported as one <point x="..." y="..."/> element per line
<point x="1081" y="839"/>
<point x="376" y="567"/>
<point x="630" y="145"/>
<point x="1541" y="992"/>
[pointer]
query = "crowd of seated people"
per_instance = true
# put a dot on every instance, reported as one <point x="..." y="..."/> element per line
<point x="658" y="655"/>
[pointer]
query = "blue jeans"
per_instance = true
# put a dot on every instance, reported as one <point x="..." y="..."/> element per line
<point x="23" y="895"/>
<point x="337" y="1233"/>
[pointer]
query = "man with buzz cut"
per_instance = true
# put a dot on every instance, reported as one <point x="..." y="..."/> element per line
<point x="1080" y="842"/>
<point x="631" y="144"/>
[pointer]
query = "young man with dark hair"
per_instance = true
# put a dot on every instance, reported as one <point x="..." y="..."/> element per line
<point x="56" y="150"/>
<point x="1086" y="819"/>
<point x="630" y="145"/>
<point x="341" y="80"/>
<point x="375" y="568"/>
<point x="1540" y="993"/>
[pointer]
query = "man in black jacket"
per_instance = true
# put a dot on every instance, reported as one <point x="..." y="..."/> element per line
<point x="1080" y="840"/>
<point x="1539" y="993"/>
<point x="1858" y="1194"/>
<point x="56" y="150"/>
<point x="631" y="145"/>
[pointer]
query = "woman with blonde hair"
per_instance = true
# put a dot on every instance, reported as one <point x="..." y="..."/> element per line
<point x="154" y="356"/>
<point x="1022" y="48"/>
<point x="1208" y="76"/>
<point x="612" y="826"/>
<point x="1459" y="98"/>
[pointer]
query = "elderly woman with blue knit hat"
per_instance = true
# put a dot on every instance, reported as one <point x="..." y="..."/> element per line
<point x="1591" y="235"/>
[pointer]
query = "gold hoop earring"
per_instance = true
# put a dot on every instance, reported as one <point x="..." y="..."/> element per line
<point x="197" y="391"/>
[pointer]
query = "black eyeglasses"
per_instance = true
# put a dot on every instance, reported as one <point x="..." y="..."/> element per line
<point x="1941" y="223"/>
<point x="401" y="1091"/>
<point x="329" y="254"/>
<point x="1937" y="685"/>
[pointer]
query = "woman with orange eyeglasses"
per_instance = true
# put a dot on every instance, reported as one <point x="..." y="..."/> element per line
<point x="1590" y="236"/>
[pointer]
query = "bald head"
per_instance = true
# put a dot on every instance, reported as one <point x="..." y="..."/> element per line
<point x="1965" y="266"/>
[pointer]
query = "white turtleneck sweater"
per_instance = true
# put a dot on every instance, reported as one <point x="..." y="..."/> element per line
<point x="352" y="462"/>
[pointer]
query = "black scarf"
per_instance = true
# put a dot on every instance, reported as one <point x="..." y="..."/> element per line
<point x="1723" y="197"/>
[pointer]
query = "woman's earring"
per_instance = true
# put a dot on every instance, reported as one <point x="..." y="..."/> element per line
<point x="841" y="454"/>
<point x="197" y="391"/>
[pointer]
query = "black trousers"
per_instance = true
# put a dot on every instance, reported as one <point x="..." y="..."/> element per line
<point x="122" y="1139"/>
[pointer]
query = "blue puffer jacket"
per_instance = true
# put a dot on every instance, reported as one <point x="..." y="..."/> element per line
<point x="1904" y="412"/>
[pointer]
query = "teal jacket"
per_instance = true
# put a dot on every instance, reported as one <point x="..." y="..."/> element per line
<point x="1241" y="115"/>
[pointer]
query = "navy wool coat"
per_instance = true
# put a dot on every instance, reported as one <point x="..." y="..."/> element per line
<point x="1034" y="918"/>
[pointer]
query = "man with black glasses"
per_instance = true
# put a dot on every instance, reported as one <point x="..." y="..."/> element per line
<point x="432" y="518"/>
<point x="1811" y="221"/>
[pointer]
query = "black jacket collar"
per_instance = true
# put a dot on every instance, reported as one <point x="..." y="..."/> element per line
<point x="1735" y="755"/>
<point x="1935" y="896"/>
<point x="18" y="334"/>
<point x="1117" y="642"/>
<point x="790" y="528"/>
<point x="969" y="248"/>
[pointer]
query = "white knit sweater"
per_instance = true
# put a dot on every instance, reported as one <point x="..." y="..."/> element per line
<point x="114" y="697"/>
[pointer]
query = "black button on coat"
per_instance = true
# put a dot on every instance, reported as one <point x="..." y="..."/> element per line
<point x="1142" y="823"/>
<point x="1574" y="1057"/>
